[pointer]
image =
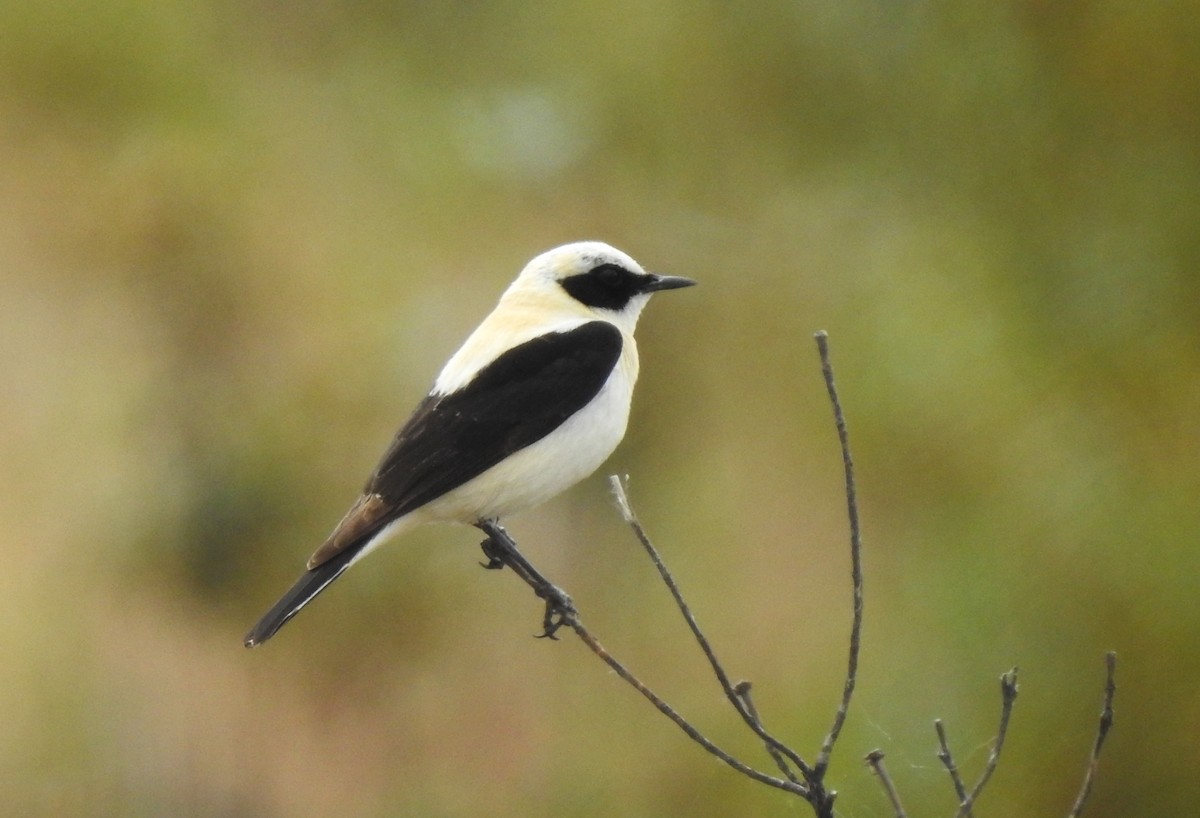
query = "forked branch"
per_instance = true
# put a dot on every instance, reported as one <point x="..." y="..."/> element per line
<point x="561" y="612"/>
<point x="1008" y="686"/>
<point x="799" y="777"/>
<point x="1008" y="696"/>
<point x="738" y="700"/>
<point x="960" y="789"/>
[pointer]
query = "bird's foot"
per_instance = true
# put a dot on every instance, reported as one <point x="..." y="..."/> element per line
<point x="560" y="610"/>
<point x="494" y="554"/>
<point x="501" y="551"/>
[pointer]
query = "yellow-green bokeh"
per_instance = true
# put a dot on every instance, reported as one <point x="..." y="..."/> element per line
<point x="238" y="239"/>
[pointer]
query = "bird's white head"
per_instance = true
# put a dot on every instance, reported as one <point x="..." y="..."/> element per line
<point x="594" y="277"/>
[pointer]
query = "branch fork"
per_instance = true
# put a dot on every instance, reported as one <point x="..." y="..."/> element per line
<point x="796" y="775"/>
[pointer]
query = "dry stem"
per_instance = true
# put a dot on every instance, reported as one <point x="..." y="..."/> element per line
<point x="1106" y="723"/>
<point x="875" y="762"/>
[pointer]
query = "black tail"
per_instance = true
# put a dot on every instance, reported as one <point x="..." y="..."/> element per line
<point x="308" y="586"/>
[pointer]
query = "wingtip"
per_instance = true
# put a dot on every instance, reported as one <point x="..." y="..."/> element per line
<point x="268" y="626"/>
<point x="255" y="637"/>
<point x="306" y="588"/>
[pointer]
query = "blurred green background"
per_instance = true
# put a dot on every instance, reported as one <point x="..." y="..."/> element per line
<point x="238" y="239"/>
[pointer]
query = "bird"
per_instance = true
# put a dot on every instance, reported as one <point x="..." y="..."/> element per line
<point x="534" y="401"/>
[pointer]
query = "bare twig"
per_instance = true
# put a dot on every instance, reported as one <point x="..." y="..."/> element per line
<point x="839" y="718"/>
<point x="960" y="789"/>
<point x="1008" y="693"/>
<point x="875" y="762"/>
<point x="818" y="796"/>
<point x="560" y="611"/>
<point x="502" y="547"/>
<point x="1106" y="723"/>
<point x="668" y="711"/>
<point x="743" y="691"/>
<point x="618" y="488"/>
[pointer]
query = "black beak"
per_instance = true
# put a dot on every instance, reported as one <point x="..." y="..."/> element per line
<point x="657" y="282"/>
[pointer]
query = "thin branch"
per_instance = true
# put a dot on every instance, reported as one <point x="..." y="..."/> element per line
<point x="839" y="718"/>
<point x="1008" y="693"/>
<point x="501" y="550"/>
<point x="618" y="489"/>
<point x="683" y="724"/>
<point x="875" y="762"/>
<point x="960" y="789"/>
<point x="743" y="691"/>
<point x="1106" y="723"/>
<point x="500" y="546"/>
<point x="818" y="796"/>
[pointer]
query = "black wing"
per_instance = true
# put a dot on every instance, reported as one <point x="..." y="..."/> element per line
<point x="511" y="403"/>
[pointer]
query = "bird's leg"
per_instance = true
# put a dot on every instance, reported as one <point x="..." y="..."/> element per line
<point x="501" y="550"/>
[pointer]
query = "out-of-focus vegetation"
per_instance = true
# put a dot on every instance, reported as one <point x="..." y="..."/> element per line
<point x="238" y="239"/>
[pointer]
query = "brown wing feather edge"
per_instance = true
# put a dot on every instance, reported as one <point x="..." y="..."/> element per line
<point x="364" y="518"/>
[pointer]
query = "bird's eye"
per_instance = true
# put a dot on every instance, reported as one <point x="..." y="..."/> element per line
<point x="610" y="275"/>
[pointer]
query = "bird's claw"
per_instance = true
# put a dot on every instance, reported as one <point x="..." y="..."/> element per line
<point x="560" y="610"/>
<point x="493" y="553"/>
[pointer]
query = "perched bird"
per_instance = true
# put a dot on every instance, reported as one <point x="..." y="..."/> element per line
<point x="534" y="401"/>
